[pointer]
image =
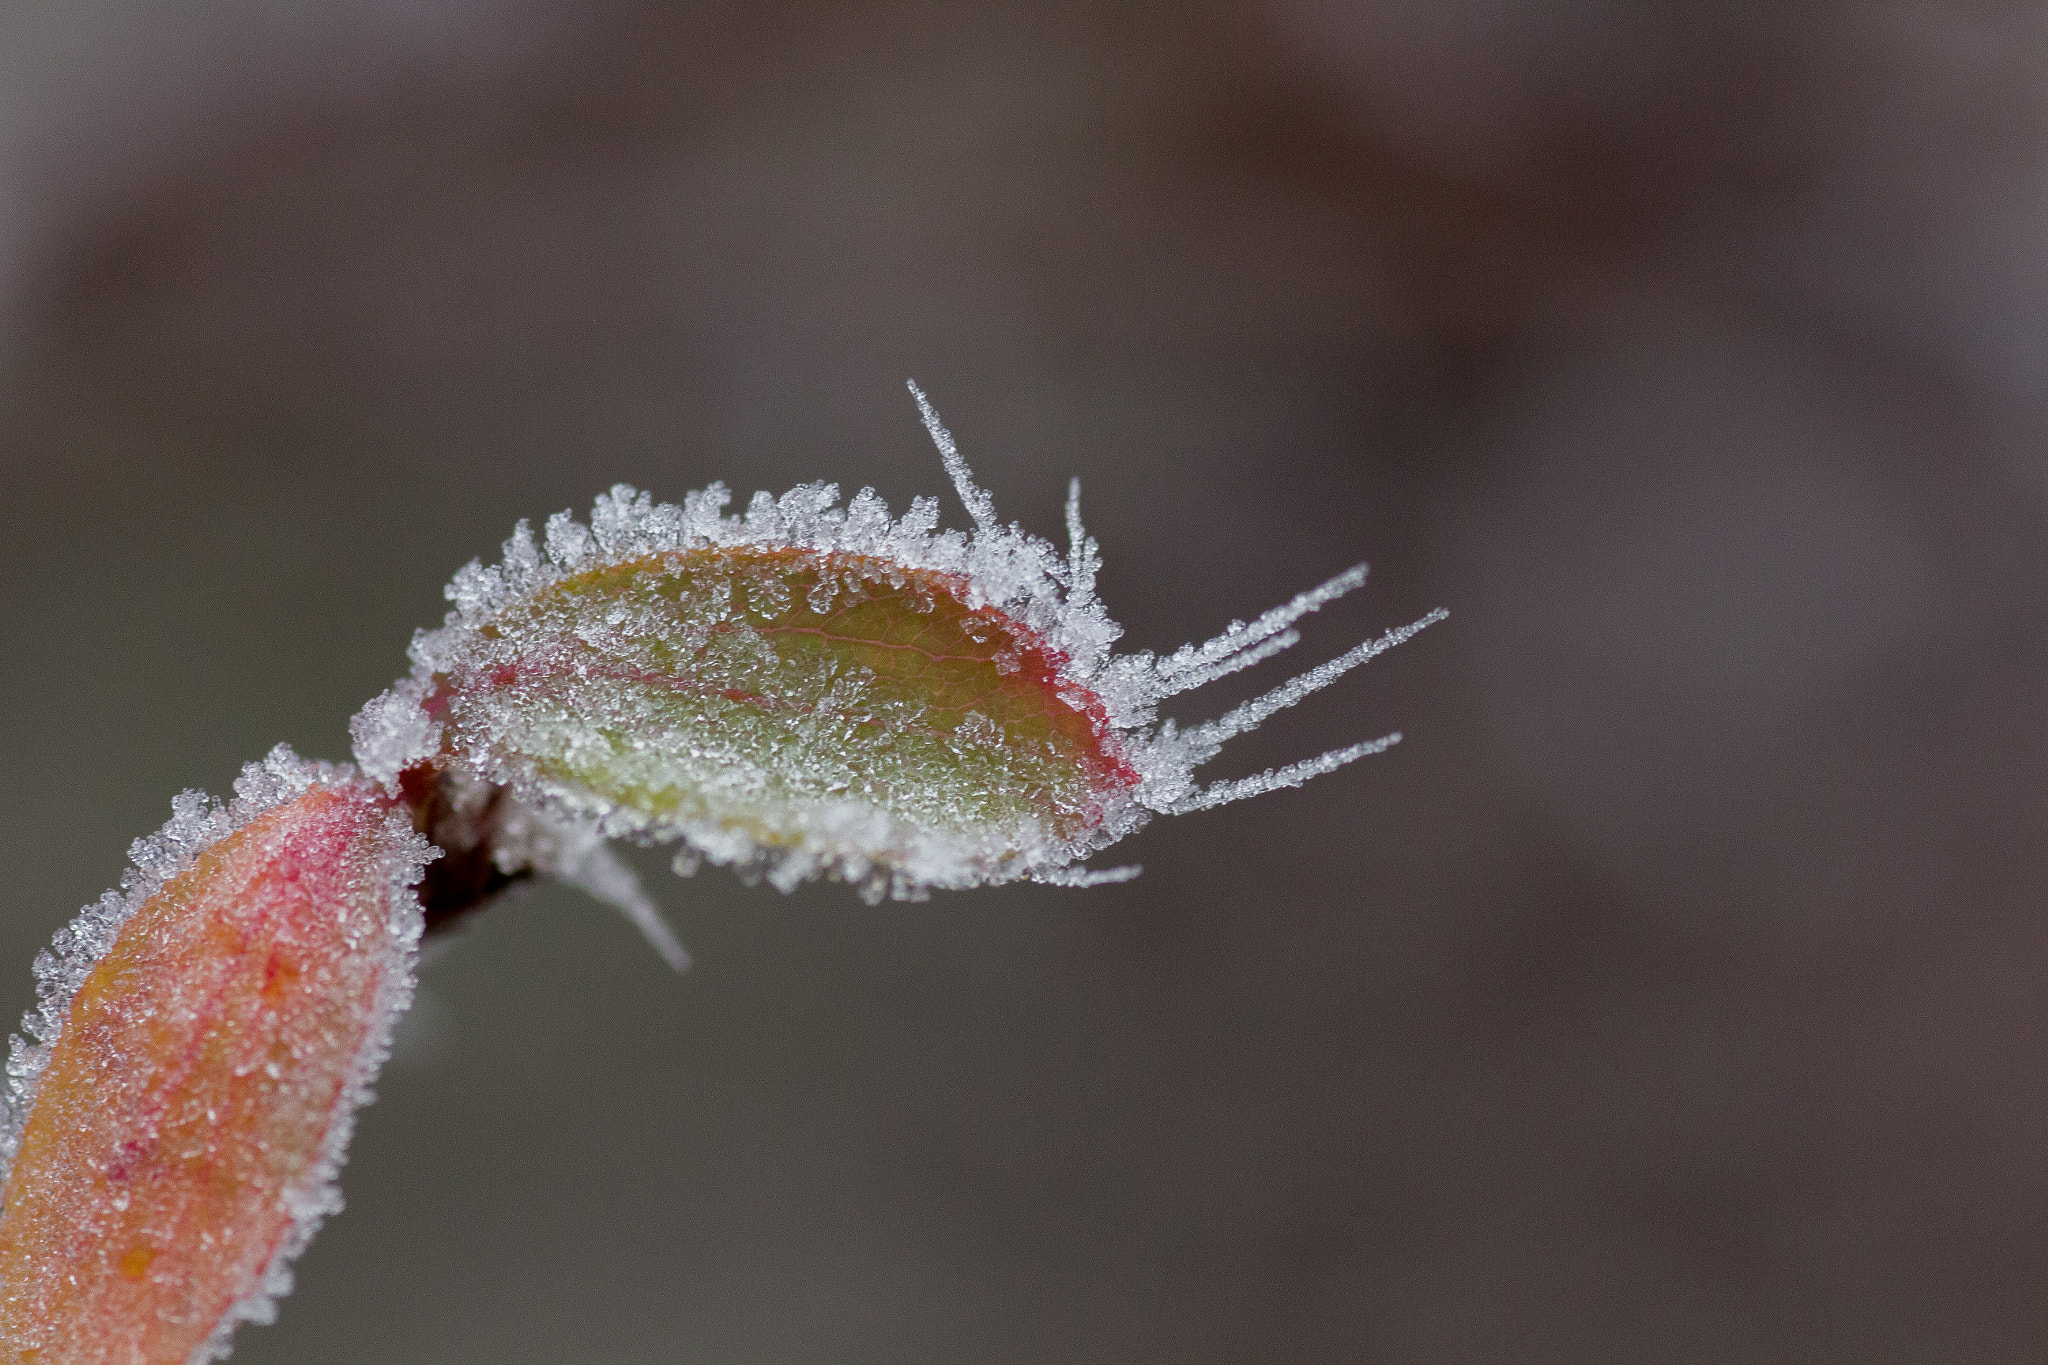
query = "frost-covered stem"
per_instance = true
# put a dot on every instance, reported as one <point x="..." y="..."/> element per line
<point x="492" y="843"/>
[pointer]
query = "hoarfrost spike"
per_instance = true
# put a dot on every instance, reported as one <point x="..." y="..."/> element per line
<point x="1192" y="658"/>
<point x="1084" y="557"/>
<point x="1293" y="775"/>
<point x="1083" y="877"/>
<point x="980" y="506"/>
<point x="1256" y="711"/>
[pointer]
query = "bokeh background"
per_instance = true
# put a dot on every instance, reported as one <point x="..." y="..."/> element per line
<point x="1677" y="992"/>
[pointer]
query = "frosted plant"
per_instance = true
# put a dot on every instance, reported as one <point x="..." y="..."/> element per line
<point x="797" y="690"/>
<point x="805" y="689"/>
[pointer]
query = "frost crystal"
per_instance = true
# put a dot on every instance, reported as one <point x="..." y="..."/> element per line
<point x="204" y="1036"/>
<point x="804" y="689"/>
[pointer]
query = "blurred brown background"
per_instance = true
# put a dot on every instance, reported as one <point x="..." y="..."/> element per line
<point x="1677" y="992"/>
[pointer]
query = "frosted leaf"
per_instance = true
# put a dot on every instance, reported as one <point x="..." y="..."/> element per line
<point x="807" y="690"/>
<point x="207" y="1032"/>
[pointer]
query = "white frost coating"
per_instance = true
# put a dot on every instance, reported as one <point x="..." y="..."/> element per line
<point x="1003" y="567"/>
<point x="197" y="823"/>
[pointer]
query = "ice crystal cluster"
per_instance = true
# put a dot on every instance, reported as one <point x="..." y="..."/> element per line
<point x="804" y="689"/>
<point x="797" y="689"/>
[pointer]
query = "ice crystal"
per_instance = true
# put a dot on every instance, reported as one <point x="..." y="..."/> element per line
<point x="804" y="689"/>
<point x="204" y="1036"/>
